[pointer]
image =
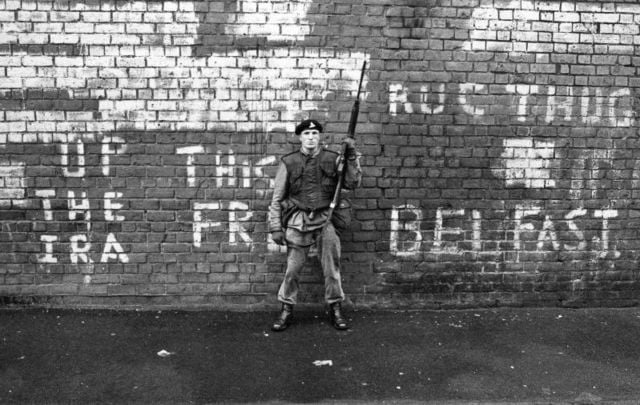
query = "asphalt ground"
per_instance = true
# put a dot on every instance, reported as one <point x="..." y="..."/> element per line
<point x="503" y="355"/>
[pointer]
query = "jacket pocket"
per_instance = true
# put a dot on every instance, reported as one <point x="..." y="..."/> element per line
<point x="288" y="209"/>
<point x="329" y="177"/>
<point x="295" y="181"/>
<point x="342" y="215"/>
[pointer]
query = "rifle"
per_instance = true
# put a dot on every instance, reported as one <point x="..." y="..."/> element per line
<point x="355" y="110"/>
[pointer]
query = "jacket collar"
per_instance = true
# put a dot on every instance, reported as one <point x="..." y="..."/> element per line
<point x="316" y="153"/>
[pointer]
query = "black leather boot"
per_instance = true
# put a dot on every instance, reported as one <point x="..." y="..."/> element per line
<point x="337" y="319"/>
<point x="284" y="318"/>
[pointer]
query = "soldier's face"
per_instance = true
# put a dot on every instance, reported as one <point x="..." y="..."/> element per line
<point x="310" y="140"/>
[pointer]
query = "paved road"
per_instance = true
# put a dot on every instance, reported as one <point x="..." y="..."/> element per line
<point x="504" y="355"/>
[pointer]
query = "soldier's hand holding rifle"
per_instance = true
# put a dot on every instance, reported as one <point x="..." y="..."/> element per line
<point x="349" y="145"/>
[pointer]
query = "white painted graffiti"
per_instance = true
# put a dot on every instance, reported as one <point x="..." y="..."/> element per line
<point x="80" y="244"/>
<point x="242" y="174"/>
<point x="526" y="163"/>
<point x="72" y="161"/>
<point x="237" y="90"/>
<point x="228" y="173"/>
<point x="12" y="182"/>
<point x="236" y="229"/>
<point x="554" y="234"/>
<point x="590" y="106"/>
<point x="277" y="20"/>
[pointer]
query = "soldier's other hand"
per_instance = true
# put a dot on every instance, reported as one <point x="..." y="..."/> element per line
<point x="278" y="237"/>
<point x="350" y="146"/>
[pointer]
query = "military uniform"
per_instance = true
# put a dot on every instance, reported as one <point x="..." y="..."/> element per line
<point x="304" y="187"/>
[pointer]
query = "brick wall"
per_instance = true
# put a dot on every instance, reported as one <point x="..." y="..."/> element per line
<point x="139" y="140"/>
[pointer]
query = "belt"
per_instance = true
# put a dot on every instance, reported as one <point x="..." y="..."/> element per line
<point x="312" y="213"/>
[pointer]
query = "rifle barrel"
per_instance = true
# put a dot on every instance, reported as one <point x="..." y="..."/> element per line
<point x="364" y="67"/>
<point x="355" y="110"/>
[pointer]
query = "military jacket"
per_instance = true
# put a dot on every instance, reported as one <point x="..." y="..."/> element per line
<point x="304" y="188"/>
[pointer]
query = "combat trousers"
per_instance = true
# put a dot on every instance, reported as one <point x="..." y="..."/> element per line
<point x="328" y="244"/>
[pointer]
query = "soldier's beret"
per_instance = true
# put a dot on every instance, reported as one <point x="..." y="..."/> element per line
<point x="308" y="124"/>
